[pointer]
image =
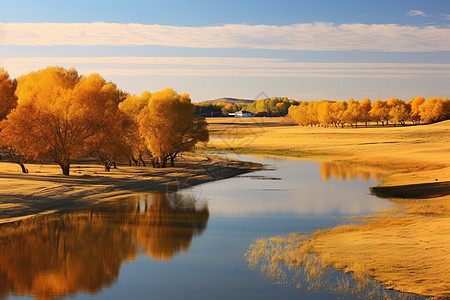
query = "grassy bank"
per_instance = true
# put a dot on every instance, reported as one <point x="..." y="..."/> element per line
<point x="413" y="154"/>
<point x="256" y="151"/>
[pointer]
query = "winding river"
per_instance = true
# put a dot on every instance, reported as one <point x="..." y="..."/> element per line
<point x="188" y="244"/>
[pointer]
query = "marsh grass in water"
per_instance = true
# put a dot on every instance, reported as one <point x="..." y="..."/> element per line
<point x="291" y="261"/>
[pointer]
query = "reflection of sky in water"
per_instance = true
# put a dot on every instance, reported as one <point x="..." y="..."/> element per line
<point x="302" y="190"/>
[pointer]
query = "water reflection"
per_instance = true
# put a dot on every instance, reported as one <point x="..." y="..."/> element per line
<point x="288" y="186"/>
<point x="82" y="251"/>
<point x="349" y="172"/>
<point x="291" y="260"/>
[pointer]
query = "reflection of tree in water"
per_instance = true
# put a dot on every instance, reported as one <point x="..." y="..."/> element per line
<point x="349" y="172"/>
<point x="292" y="261"/>
<point x="61" y="254"/>
<point x="167" y="226"/>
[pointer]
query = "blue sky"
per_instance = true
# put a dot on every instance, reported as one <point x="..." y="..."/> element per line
<point x="305" y="50"/>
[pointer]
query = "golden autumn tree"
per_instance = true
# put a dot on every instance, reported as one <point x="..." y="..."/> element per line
<point x="379" y="111"/>
<point x="227" y="108"/>
<point x="169" y="126"/>
<point x="434" y="110"/>
<point x="399" y="112"/>
<point x="132" y="106"/>
<point x="352" y="114"/>
<point x="299" y="113"/>
<point x="58" y="112"/>
<point x="324" y="113"/>
<point x="414" y="104"/>
<point x="8" y="99"/>
<point x="339" y="109"/>
<point x="364" y="107"/>
<point x="110" y="143"/>
<point x="280" y="108"/>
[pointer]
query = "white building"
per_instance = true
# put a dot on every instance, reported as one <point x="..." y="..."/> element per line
<point x="242" y="114"/>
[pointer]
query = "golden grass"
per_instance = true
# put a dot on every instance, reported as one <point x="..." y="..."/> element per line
<point x="400" y="149"/>
<point x="407" y="249"/>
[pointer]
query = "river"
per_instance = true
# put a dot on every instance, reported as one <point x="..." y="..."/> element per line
<point x="188" y="244"/>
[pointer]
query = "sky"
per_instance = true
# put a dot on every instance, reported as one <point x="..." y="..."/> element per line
<point x="304" y="50"/>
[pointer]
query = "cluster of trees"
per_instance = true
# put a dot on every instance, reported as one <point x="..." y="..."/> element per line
<point x="394" y="111"/>
<point x="56" y="113"/>
<point x="263" y="107"/>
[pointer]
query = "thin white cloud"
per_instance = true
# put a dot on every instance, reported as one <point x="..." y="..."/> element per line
<point x="308" y="36"/>
<point x="240" y="62"/>
<point x="415" y="13"/>
<point x="446" y="16"/>
<point x="224" y="66"/>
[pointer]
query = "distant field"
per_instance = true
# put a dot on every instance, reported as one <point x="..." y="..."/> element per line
<point x="423" y="149"/>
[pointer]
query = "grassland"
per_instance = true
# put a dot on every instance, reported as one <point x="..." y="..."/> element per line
<point x="407" y="249"/>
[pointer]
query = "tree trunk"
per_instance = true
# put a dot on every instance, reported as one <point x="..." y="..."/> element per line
<point x="65" y="167"/>
<point x="136" y="162"/>
<point x="24" y="170"/>
<point x="172" y="161"/>
<point x="107" y="168"/>
<point x="143" y="162"/>
<point x="114" y="165"/>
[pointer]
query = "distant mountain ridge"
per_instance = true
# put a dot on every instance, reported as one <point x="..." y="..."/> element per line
<point x="228" y="100"/>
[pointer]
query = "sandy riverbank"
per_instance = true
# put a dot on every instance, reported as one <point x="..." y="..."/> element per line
<point x="44" y="190"/>
<point x="407" y="249"/>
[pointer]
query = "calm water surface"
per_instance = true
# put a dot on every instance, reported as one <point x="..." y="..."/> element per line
<point x="184" y="245"/>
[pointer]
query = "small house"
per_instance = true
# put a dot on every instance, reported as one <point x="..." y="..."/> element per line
<point x="244" y="114"/>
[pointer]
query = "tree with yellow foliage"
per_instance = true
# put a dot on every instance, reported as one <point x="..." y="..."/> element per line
<point x="352" y="114"/>
<point x="379" y="111"/>
<point x="280" y="108"/>
<point x="434" y="110"/>
<point x="339" y="109"/>
<point x="227" y="108"/>
<point x="110" y="143"/>
<point x="58" y="112"/>
<point x="299" y="113"/>
<point x="399" y="112"/>
<point x="364" y="108"/>
<point x="132" y="107"/>
<point x="169" y="127"/>
<point x="414" y="104"/>
<point x="8" y="99"/>
<point x="324" y="113"/>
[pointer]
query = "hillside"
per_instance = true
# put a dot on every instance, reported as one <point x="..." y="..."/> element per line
<point x="228" y="100"/>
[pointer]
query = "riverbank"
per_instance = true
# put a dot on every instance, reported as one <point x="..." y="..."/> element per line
<point x="410" y="154"/>
<point x="45" y="190"/>
<point x="405" y="249"/>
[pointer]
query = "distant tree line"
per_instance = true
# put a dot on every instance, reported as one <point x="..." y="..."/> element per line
<point x="57" y="114"/>
<point x="269" y="107"/>
<point x="394" y="111"/>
